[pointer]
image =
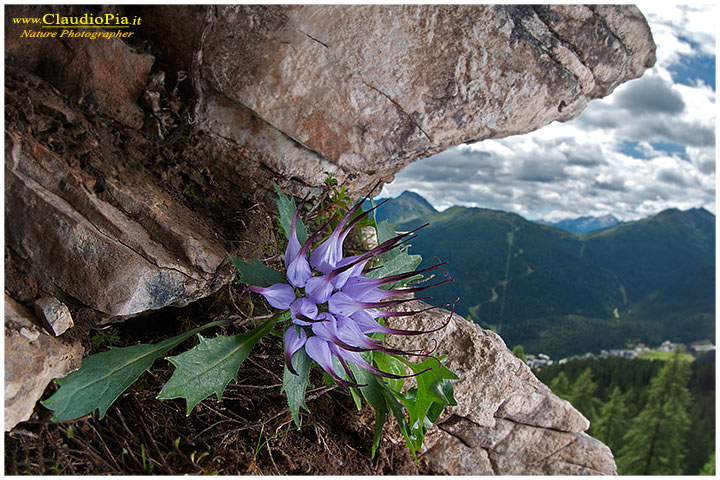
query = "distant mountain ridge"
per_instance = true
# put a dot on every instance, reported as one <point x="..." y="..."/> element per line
<point x="407" y="206"/>
<point x="562" y="293"/>
<point x="587" y="224"/>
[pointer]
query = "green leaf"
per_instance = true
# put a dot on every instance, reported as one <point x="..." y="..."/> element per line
<point x="286" y="207"/>
<point x="385" y="231"/>
<point x="383" y="401"/>
<point x="104" y="376"/>
<point x="431" y="387"/>
<point x="257" y="274"/>
<point x="412" y="440"/>
<point x="356" y="398"/>
<point x="388" y="364"/>
<point x="295" y="386"/>
<point x="209" y="366"/>
<point x="380" y="417"/>
<point x="373" y="394"/>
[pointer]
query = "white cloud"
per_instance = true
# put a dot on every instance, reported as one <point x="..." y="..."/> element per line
<point x="674" y="26"/>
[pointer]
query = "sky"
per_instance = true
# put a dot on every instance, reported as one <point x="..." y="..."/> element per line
<point x="648" y="146"/>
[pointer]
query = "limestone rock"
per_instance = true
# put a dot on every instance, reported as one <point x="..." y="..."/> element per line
<point x="104" y="74"/>
<point x="360" y="91"/>
<point x="54" y="314"/>
<point x="32" y="359"/>
<point x="506" y="422"/>
<point x="105" y="234"/>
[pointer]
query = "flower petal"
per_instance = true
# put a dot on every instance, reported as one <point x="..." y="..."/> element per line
<point x="293" y="246"/>
<point x="354" y="271"/>
<point x="319" y="289"/>
<point x="279" y="295"/>
<point x="299" y="272"/>
<point x="341" y="303"/>
<point x="327" y="329"/>
<point x="319" y="350"/>
<point x="349" y="332"/>
<point x="303" y="311"/>
<point x="366" y="322"/>
<point x="295" y="337"/>
<point x="327" y="254"/>
<point x="365" y="289"/>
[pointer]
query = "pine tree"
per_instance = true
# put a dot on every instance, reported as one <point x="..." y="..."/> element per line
<point x="654" y="442"/>
<point x="582" y="394"/>
<point x="560" y="385"/>
<point x="612" y="421"/>
<point x="709" y="467"/>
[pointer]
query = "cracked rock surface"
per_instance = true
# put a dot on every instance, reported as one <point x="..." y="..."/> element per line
<point x="99" y="231"/>
<point x="506" y="422"/>
<point x="102" y="252"/>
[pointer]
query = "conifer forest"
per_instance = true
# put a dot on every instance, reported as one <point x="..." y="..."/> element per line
<point x="657" y="416"/>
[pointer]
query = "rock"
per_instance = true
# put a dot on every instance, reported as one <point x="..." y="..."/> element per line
<point x="139" y="252"/>
<point x="361" y="91"/>
<point x="54" y="314"/>
<point x="104" y="74"/>
<point x="32" y="359"/>
<point x="506" y="422"/>
<point x="105" y="235"/>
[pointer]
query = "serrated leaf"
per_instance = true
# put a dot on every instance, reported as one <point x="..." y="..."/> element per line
<point x="209" y="366"/>
<point x="103" y="377"/>
<point x="430" y="388"/>
<point x="286" y="208"/>
<point x="295" y="386"/>
<point x="257" y="274"/>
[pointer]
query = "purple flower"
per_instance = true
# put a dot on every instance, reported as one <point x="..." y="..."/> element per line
<point x="336" y="307"/>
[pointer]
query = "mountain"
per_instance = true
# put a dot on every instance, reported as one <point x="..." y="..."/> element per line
<point x="562" y="293"/>
<point x="407" y="206"/>
<point x="587" y="224"/>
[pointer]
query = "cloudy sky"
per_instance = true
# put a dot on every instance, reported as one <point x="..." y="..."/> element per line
<point x="648" y="146"/>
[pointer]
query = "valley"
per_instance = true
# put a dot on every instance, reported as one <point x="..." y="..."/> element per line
<point x="563" y="293"/>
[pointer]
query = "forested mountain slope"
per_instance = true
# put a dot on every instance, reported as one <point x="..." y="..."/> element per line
<point x="562" y="293"/>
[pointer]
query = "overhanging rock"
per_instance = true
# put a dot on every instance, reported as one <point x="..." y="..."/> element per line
<point x="361" y="91"/>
